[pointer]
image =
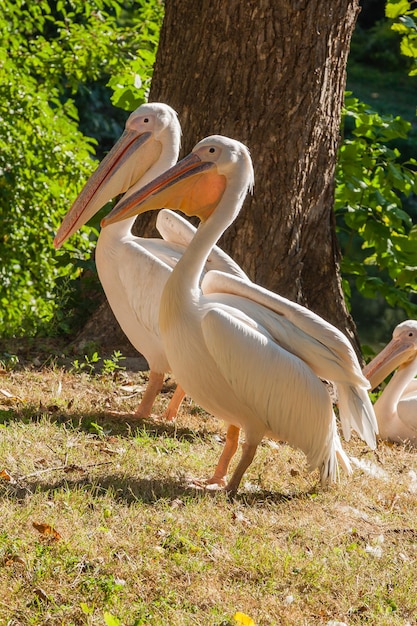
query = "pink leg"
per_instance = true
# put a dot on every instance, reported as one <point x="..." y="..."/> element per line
<point x="248" y="452"/>
<point x="229" y="450"/>
<point x="174" y="404"/>
<point x="153" y="387"/>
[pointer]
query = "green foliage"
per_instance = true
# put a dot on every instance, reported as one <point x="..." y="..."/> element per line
<point x="109" y="366"/>
<point x="87" y="365"/>
<point x="404" y="16"/>
<point x="132" y="82"/>
<point x="50" y="56"/>
<point x="377" y="47"/>
<point x="378" y="236"/>
<point x="59" y="63"/>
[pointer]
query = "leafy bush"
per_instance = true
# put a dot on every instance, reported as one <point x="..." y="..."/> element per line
<point x="377" y="184"/>
<point x="51" y="56"/>
<point x="378" y="47"/>
<point x="404" y="16"/>
<point x="60" y="63"/>
<point x="378" y="236"/>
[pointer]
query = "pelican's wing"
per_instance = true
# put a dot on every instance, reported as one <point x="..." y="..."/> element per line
<point x="268" y="380"/>
<point x="411" y="389"/>
<point x="174" y="228"/>
<point x="143" y="275"/>
<point x="322" y="346"/>
<point x="177" y="230"/>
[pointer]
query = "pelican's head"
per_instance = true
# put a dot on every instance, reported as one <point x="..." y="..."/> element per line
<point x="401" y="350"/>
<point x="196" y="184"/>
<point x="160" y="120"/>
<point x="151" y="137"/>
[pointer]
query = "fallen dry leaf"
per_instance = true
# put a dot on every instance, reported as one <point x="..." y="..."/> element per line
<point x="6" y="393"/>
<point x="42" y="595"/>
<point x="109" y="450"/>
<point x="131" y="387"/>
<point x="239" y="517"/>
<point x="41" y="462"/>
<point x="4" y="475"/>
<point x="47" y="530"/>
<point x="14" y="558"/>
<point x="10" y="396"/>
<point x="176" y="503"/>
<point x="74" y="468"/>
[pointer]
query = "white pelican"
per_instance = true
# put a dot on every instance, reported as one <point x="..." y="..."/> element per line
<point x="396" y="407"/>
<point x="134" y="270"/>
<point x="243" y="353"/>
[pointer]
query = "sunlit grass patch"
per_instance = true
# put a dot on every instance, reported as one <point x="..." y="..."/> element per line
<point x="99" y="518"/>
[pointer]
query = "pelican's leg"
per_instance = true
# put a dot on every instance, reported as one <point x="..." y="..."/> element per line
<point x="248" y="452"/>
<point x="174" y="404"/>
<point x="220" y="473"/>
<point x="153" y="387"/>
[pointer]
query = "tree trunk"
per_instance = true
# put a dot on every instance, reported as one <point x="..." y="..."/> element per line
<point x="270" y="73"/>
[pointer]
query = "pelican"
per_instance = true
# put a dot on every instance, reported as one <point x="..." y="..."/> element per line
<point x="396" y="407"/>
<point x="243" y="353"/>
<point x="134" y="270"/>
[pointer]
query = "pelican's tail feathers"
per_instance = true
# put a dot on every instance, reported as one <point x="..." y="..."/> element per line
<point x="357" y="413"/>
<point x="343" y="460"/>
<point x="335" y="458"/>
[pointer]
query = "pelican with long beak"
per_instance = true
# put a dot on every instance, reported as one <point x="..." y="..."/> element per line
<point x="133" y="270"/>
<point x="243" y="353"/>
<point x="396" y="407"/>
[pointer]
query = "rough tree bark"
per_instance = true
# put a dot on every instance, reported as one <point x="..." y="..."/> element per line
<point x="270" y="73"/>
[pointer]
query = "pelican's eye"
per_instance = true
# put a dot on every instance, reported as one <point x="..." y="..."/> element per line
<point x="410" y="334"/>
<point x="146" y="120"/>
<point x="212" y="150"/>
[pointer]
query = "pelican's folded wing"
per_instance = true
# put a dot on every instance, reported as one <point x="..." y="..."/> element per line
<point x="175" y="229"/>
<point x="322" y="346"/>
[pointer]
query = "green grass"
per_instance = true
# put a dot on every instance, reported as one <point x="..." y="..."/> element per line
<point x="137" y="542"/>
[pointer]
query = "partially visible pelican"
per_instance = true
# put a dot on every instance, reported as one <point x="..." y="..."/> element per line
<point x="243" y="353"/>
<point x="134" y="270"/>
<point x="396" y="407"/>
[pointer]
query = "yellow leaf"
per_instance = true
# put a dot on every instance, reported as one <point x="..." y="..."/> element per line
<point x="243" y="620"/>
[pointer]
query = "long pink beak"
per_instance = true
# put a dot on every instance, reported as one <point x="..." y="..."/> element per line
<point x="192" y="186"/>
<point x="396" y="353"/>
<point x="123" y="166"/>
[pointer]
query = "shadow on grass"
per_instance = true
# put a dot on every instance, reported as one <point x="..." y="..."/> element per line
<point x="101" y="423"/>
<point x="127" y="489"/>
<point x="148" y="491"/>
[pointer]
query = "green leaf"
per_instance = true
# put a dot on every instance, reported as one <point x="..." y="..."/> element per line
<point x="87" y="610"/>
<point x="394" y="8"/>
<point x="110" y="620"/>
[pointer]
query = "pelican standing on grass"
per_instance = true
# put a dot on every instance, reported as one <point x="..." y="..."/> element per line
<point x="243" y="353"/>
<point x="134" y="270"/>
<point x="396" y="407"/>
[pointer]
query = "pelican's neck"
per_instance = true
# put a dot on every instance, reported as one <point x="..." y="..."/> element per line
<point x="117" y="231"/>
<point x="190" y="267"/>
<point x="388" y="400"/>
<point x="167" y="159"/>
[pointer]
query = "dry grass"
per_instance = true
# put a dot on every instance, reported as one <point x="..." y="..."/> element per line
<point x="138" y="545"/>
